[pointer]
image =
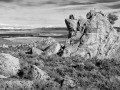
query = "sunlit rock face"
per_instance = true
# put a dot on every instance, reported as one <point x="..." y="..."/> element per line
<point x="9" y="65"/>
<point x="72" y="27"/>
<point x="106" y="36"/>
<point x="97" y="37"/>
<point x="73" y="24"/>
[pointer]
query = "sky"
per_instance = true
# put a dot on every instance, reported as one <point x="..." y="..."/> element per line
<point x="45" y="13"/>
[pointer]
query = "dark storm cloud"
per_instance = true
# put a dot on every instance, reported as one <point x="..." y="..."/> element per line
<point x="116" y="6"/>
<point x="49" y="2"/>
<point x="105" y="1"/>
<point x="52" y="2"/>
<point x="30" y="3"/>
<point x="6" y="0"/>
<point x="78" y="3"/>
<point x="35" y="3"/>
<point x="64" y="3"/>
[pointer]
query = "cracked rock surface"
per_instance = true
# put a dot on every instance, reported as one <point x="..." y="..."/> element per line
<point x="93" y="37"/>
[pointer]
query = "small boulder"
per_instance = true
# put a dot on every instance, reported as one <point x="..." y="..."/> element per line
<point x="9" y="65"/>
<point x="29" y="51"/>
<point x="60" y="53"/>
<point x="52" y="49"/>
<point x="38" y="74"/>
<point x="36" y="51"/>
<point x="49" y="46"/>
<point x="69" y="82"/>
<point x="44" y="43"/>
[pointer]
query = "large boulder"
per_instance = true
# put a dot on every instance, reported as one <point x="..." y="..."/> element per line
<point x="49" y="46"/>
<point x="9" y="65"/>
<point x="97" y="37"/>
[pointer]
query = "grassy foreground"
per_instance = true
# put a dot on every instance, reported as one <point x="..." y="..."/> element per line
<point x="91" y="74"/>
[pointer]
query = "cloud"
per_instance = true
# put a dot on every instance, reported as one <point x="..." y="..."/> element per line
<point x="49" y="12"/>
<point x="6" y="0"/>
<point x="32" y="3"/>
<point x="48" y="2"/>
<point x="57" y="2"/>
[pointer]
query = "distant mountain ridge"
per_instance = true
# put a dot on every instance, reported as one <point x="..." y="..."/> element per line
<point x="6" y="26"/>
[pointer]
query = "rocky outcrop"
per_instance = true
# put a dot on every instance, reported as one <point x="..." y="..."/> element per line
<point x="9" y="65"/>
<point x="96" y="37"/>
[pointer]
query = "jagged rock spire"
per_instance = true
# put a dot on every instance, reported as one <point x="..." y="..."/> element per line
<point x="99" y="39"/>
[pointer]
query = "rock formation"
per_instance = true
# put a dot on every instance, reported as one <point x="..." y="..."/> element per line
<point x="9" y="65"/>
<point x="94" y="37"/>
